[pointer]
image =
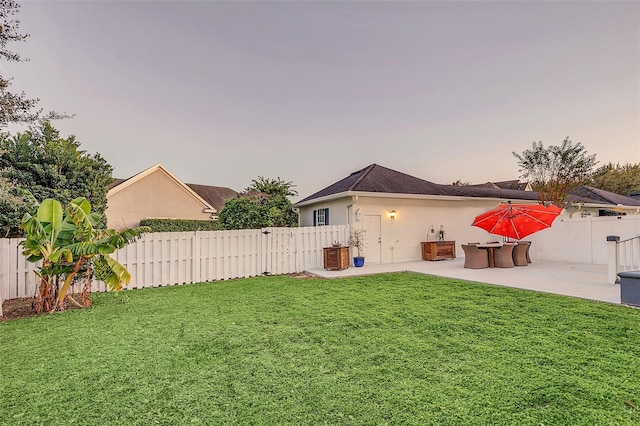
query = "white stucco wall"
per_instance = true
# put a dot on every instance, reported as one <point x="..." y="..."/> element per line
<point x="400" y="238"/>
<point x="576" y="239"/>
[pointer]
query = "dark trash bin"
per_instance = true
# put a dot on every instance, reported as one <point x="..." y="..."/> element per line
<point x="629" y="287"/>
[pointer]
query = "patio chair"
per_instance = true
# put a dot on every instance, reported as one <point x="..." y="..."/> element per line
<point x="528" y="244"/>
<point x="503" y="256"/>
<point x="520" y="254"/>
<point x="475" y="258"/>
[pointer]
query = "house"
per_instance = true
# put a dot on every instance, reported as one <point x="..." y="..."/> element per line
<point x="398" y="211"/>
<point x="157" y="193"/>
<point x="507" y="184"/>
<point x="635" y="195"/>
<point x="585" y="200"/>
<point x="590" y="201"/>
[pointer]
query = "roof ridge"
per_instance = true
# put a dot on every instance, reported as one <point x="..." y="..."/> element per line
<point x="366" y="171"/>
<point x="599" y="193"/>
<point x="208" y="186"/>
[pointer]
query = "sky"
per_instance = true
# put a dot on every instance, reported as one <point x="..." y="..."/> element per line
<point x="223" y="92"/>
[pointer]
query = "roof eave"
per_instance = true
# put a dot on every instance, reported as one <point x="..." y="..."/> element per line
<point x="604" y="206"/>
<point x="406" y="196"/>
<point x="326" y="198"/>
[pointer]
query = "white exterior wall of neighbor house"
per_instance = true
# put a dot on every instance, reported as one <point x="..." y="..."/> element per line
<point x="154" y="196"/>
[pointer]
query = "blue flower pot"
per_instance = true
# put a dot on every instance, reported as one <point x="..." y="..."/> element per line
<point x="358" y="262"/>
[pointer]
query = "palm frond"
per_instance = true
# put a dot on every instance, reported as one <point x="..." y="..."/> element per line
<point x="120" y="239"/>
<point x="84" y="248"/>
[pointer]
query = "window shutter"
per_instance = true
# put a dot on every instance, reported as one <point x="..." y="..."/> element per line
<point x="315" y="217"/>
<point x="326" y="216"/>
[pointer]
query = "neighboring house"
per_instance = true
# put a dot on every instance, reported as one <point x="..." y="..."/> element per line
<point x="507" y="184"/>
<point x="586" y="200"/>
<point x="590" y="201"/>
<point x="157" y="193"/>
<point x="366" y="198"/>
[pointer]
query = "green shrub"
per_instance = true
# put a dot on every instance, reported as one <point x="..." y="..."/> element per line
<point x="180" y="225"/>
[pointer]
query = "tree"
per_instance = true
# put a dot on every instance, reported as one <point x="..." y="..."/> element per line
<point x="273" y="187"/>
<point x="71" y="246"/>
<point x="619" y="179"/>
<point x="14" y="203"/>
<point x="263" y="204"/>
<point x="15" y="107"/>
<point x="41" y="163"/>
<point x="556" y="170"/>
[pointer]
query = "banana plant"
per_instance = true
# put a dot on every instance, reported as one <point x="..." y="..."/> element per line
<point x="70" y="246"/>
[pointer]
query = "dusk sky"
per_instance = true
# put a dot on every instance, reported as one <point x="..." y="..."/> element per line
<point x="223" y="92"/>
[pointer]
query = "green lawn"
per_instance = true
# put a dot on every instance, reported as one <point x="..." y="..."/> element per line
<point x="387" y="349"/>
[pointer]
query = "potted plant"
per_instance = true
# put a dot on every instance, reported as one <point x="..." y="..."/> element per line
<point x="357" y="240"/>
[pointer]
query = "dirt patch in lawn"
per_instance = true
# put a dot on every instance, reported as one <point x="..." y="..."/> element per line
<point x="21" y="308"/>
<point x="304" y="275"/>
<point x="17" y="308"/>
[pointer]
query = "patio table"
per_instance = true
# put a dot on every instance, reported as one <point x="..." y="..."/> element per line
<point x="491" y="249"/>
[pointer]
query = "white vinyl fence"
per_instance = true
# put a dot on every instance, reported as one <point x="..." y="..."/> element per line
<point x="583" y="240"/>
<point x="174" y="258"/>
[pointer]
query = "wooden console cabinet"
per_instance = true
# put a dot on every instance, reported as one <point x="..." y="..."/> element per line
<point x="336" y="258"/>
<point x="438" y="250"/>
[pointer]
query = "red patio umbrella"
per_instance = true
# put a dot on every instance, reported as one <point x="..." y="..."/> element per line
<point x="517" y="220"/>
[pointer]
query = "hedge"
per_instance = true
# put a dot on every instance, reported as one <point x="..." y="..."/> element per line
<point x="180" y="225"/>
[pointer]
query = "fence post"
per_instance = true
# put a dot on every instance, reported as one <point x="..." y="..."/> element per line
<point x="612" y="256"/>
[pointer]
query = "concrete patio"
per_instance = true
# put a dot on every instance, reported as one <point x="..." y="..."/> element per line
<point x="585" y="281"/>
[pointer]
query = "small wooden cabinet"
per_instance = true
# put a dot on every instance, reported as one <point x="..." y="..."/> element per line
<point x="438" y="250"/>
<point x="336" y="258"/>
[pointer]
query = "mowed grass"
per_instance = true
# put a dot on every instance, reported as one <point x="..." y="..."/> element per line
<point x="386" y="349"/>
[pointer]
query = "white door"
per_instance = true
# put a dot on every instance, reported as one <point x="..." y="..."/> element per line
<point x="372" y="245"/>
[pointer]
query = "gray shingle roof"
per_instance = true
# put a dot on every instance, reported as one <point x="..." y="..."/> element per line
<point x="376" y="178"/>
<point x="589" y="194"/>
<point x="491" y="192"/>
<point x="115" y="183"/>
<point x="214" y="195"/>
<point x="505" y="184"/>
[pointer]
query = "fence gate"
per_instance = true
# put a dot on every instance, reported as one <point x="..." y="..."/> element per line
<point x="278" y="244"/>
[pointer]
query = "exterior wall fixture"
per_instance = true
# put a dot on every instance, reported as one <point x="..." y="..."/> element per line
<point x="392" y="214"/>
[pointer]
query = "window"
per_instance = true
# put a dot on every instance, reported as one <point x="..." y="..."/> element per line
<point x="321" y="217"/>
<point x="610" y="213"/>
